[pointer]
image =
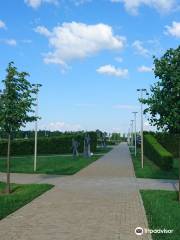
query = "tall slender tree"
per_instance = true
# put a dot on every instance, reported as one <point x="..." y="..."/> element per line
<point x="16" y="103"/>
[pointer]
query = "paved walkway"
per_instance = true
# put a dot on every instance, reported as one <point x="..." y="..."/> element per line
<point x="101" y="202"/>
<point x="140" y="183"/>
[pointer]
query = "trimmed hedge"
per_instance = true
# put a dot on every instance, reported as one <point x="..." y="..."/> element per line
<point x="47" y="145"/>
<point x="170" y="142"/>
<point x="157" y="153"/>
<point x="113" y="142"/>
<point x="108" y="142"/>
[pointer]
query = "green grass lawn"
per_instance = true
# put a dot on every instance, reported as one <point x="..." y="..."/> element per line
<point x="51" y="164"/>
<point x="163" y="212"/>
<point x="151" y="170"/>
<point x="63" y="165"/>
<point x="20" y="196"/>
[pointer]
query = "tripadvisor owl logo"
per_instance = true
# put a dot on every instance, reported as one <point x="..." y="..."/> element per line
<point x="139" y="231"/>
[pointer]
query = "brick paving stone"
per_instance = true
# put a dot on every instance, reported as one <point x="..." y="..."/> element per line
<point x="101" y="202"/>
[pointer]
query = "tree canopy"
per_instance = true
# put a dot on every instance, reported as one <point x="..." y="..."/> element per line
<point x="16" y="100"/>
<point x="164" y="99"/>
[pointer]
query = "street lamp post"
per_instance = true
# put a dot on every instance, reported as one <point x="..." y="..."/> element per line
<point x="129" y="136"/>
<point x="135" y="142"/>
<point x="36" y="127"/>
<point x="132" y="128"/>
<point x="142" y="142"/>
<point x="35" y="139"/>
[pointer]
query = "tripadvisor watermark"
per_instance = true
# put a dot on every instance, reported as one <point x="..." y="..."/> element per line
<point x="140" y="231"/>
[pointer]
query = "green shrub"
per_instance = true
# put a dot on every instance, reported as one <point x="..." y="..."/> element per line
<point x="112" y="142"/>
<point x="47" y="145"/>
<point x="170" y="142"/>
<point x="157" y="153"/>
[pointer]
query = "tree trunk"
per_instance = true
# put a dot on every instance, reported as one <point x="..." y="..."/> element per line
<point x="8" y="190"/>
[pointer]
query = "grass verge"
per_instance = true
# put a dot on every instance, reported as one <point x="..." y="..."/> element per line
<point x="163" y="212"/>
<point x="151" y="170"/>
<point x="20" y="196"/>
<point x="63" y="165"/>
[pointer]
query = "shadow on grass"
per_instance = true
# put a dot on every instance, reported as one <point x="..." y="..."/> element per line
<point x="20" y="196"/>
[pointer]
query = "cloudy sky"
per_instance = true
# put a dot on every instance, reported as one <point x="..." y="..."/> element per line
<point x="89" y="55"/>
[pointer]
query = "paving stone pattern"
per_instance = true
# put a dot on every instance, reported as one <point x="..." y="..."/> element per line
<point x="101" y="202"/>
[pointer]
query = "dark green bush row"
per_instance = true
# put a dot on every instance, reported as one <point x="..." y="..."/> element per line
<point x="47" y="145"/>
<point x="157" y="153"/>
<point x="113" y="142"/>
<point x="109" y="142"/>
<point x="170" y="142"/>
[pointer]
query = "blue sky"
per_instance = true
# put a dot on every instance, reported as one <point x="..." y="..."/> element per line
<point x="90" y="56"/>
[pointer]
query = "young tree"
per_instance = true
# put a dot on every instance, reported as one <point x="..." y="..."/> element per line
<point x="16" y="104"/>
<point x="164" y="100"/>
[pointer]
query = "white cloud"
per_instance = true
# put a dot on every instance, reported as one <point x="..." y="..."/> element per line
<point x="28" y="41"/>
<point x="37" y="3"/>
<point x="174" y="29"/>
<point x="43" y="31"/>
<point x="61" y="126"/>
<point x="33" y="3"/>
<point x="80" y="2"/>
<point x="144" y="69"/>
<point x="2" y="24"/>
<point x="11" y="42"/>
<point x="78" y="40"/>
<point x="112" y="71"/>
<point x="119" y="59"/>
<point x="140" y="49"/>
<point x="125" y="106"/>
<point x="132" y="6"/>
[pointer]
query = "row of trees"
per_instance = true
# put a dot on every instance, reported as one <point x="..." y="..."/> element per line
<point x="26" y="134"/>
<point x="17" y="100"/>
